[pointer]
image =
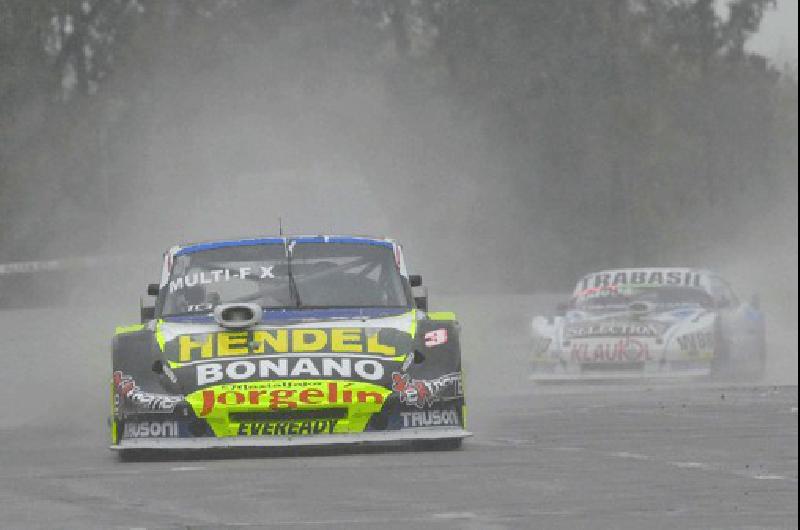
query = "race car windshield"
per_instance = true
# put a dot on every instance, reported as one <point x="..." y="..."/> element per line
<point x="325" y="275"/>
<point x="620" y="296"/>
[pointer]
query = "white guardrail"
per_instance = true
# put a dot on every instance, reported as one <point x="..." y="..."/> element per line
<point x="27" y="267"/>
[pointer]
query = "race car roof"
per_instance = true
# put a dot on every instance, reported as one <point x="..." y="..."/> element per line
<point x="272" y="240"/>
<point x="190" y="248"/>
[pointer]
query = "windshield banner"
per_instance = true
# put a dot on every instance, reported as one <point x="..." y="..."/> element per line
<point x="607" y="279"/>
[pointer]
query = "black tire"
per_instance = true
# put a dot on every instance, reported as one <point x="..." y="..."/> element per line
<point x="448" y="444"/>
<point x="720" y="365"/>
<point x="129" y="455"/>
<point x="751" y="369"/>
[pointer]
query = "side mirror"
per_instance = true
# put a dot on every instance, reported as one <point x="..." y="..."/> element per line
<point x="415" y="280"/>
<point x="147" y="313"/>
<point x="152" y="289"/>
<point x="420" y="297"/>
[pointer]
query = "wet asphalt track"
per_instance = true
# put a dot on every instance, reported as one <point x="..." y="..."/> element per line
<point x="705" y="455"/>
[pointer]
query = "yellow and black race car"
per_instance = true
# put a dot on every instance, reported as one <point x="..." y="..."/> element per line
<point x="281" y="341"/>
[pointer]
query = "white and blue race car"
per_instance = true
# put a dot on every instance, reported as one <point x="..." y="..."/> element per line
<point x="650" y="322"/>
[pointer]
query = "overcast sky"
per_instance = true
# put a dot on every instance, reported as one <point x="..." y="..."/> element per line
<point x="778" y="36"/>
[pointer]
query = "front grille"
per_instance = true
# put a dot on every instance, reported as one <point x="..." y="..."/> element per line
<point x="611" y="367"/>
<point x="288" y="415"/>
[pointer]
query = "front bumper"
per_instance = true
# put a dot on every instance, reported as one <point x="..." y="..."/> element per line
<point x="380" y="437"/>
<point x="617" y="376"/>
<point x="565" y="372"/>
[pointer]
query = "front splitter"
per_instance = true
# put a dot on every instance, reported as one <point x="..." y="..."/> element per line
<point x="405" y="435"/>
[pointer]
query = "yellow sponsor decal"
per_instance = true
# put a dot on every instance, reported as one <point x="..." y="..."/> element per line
<point x="160" y="335"/>
<point x="201" y="346"/>
<point x="413" y="327"/>
<point x="232" y="344"/>
<point x="374" y="346"/>
<point x="121" y="330"/>
<point x="346" y="340"/>
<point x="276" y="341"/>
<point x="308" y="340"/>
<point x="442" y="315"/>
<point x="285" y="407"/>
<point x="114" y="431"/>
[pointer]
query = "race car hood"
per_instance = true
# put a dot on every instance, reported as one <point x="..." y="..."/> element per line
<point x="331" y="371"/>
<point x="312" y="345"/>
<point x="626" y="343"/>
<point x="635" y="336"/>
<point x="652" y="324"/>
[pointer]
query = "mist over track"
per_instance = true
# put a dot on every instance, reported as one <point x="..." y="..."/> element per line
<point x="511" y="146"/>
<point x="689" y="455"/>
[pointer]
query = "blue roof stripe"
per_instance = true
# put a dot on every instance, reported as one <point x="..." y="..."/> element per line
<point x="290" y="314"/>
<point x="191" y="249"/>
<point x="360" y="240"/>
<point x="199" y="247"/>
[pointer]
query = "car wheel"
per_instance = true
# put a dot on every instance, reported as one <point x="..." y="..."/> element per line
<point x="128" y="455"/>
<point x="448" y="444"/>
<point x="750" y="367"/>
<point x="720" y="365"/>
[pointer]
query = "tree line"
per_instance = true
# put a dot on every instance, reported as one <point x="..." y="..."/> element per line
<point x="557" y="135"/>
